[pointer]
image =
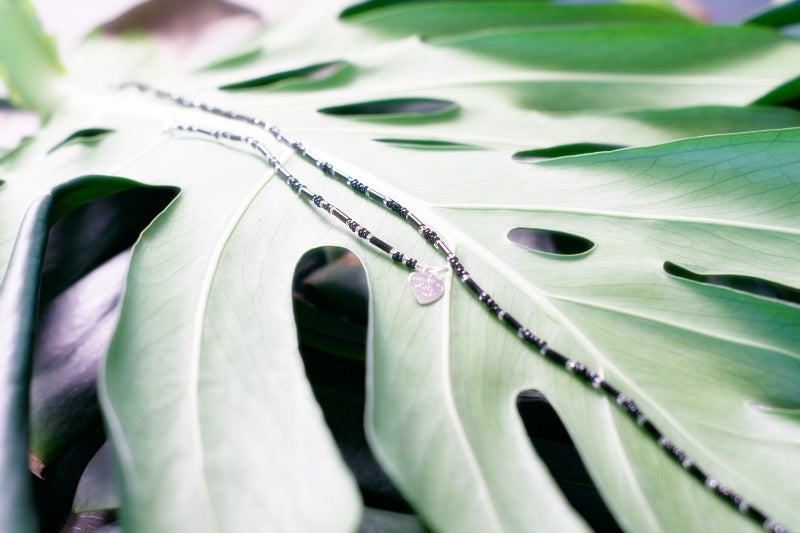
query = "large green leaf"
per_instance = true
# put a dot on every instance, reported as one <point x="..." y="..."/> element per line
<point x="210" y="413"/>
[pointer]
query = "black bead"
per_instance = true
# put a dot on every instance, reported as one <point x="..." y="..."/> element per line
<point x="397" y="208"/>
<point x="430" y="235"/>
<point x="381" y="244"/>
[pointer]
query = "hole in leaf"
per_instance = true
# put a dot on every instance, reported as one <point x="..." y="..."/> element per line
<point x="330" y="296"/>
<point x="428" y="144"/>
<point x="413" y="108"/>
<point x="237" y="60"/>
<point x="550" y="241"/>
<point x="756" y="286"/>
<point x="85" y="136"/>
<point x="329" y="74"/>
<point x="555" y="448"/>
<point x="564" y="150"/>
<point x="786" y="95"/>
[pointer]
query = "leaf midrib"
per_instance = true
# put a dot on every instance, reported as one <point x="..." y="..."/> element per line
<point x="460" y="433"/>
<point x="197" y="344"/>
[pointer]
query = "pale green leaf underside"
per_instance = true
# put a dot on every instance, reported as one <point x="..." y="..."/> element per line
<point x="213" y="420"/>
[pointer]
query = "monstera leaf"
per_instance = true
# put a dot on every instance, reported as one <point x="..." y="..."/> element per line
<point x="678" y="282"/>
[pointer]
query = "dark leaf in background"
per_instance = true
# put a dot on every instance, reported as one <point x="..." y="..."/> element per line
<point x="97" y="231"/>
<point x="97" y="489"/>
<point x="778" y="16"/>
<point x="56" y="396"/>
<point x="72" y="337"/>
<point x="54" y="492"/>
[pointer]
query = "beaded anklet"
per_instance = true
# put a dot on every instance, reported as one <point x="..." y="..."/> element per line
<point x="576" y="368"/>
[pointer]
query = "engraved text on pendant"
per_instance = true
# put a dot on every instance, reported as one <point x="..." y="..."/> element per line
<point x="425" y="287"/>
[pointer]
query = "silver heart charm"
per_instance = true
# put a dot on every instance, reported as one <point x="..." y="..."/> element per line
<point x="425" y="287"/>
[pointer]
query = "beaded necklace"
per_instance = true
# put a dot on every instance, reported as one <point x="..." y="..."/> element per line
<point x="426" y="285"/>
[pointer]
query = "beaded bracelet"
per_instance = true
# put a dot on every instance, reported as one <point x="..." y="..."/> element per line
<point x="433" y="287"/>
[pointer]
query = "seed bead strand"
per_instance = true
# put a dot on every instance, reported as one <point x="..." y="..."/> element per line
<point x="576" y="368"/>
<point x="313" y="198"/>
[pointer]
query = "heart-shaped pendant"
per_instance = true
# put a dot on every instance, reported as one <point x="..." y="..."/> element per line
<point x="425" y="287"/>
